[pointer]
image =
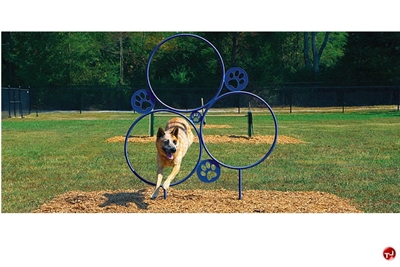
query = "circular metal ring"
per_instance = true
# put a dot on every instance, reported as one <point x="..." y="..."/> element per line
<point x="193" y="36"/>
<point x="273" y="143"/>
<point x="127" y="141"/>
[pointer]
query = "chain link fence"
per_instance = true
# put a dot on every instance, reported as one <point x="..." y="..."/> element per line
<point x="336" y="96"/>
<point x="14" y="102"/>
<point x="20" y="102"/>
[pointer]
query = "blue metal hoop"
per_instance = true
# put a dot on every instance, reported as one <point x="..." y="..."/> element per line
<point x="273" y="143"/>
<point x="127" y="141"/>
<point x="185" y="35"/>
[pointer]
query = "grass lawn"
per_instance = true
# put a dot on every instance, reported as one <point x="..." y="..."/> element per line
<point x="354" y="155"/>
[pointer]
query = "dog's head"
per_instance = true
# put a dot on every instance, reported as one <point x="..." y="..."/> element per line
<point x="167" y="142"/>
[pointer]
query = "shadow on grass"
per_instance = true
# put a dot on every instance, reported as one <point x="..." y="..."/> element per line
<point x="123" y="199"/>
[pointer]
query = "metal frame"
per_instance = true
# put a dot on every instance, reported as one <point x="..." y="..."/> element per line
<point x="202" y="167"/>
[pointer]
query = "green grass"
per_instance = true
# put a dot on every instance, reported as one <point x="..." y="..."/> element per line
<point x="353" y="155"/>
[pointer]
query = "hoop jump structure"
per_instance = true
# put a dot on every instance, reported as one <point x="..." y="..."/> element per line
<point x="235" y="79"/>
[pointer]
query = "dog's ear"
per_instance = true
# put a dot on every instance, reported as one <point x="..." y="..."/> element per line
<point x="175" y="132"/>
<point x="160" y="133"/>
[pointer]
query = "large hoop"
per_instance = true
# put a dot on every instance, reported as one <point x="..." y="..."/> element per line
<point x="127" y="141"/>
<point x="190" y="36"/>
<point x="275" y="133"/>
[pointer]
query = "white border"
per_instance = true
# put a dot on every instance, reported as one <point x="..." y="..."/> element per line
<point x="198" y="239"/>
<point x="175" y="240"/>
<point x="206" y="15"/>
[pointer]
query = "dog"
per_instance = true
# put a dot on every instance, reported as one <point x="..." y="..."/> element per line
<point x="172" y="145"/>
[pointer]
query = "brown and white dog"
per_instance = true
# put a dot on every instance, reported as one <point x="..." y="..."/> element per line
<point x="172" y="145"/>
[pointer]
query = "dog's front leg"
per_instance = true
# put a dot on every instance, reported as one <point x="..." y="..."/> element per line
<point x="159" y="179"/>
<point x="170" y="177"/>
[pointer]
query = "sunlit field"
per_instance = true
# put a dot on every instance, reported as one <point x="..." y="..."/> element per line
<point x="354" y="155"/>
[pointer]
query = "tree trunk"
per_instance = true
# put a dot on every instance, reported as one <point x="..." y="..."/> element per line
<point x="306" y="48"/>
<point x="69" y="61"/>
<point x="234" y="48"/>
<point x="317" y="53"/>
<point x="121" y="60"/>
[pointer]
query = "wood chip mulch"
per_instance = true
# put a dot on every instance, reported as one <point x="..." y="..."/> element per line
<point x="257" y="139"/>
<point x="197" y="201"/>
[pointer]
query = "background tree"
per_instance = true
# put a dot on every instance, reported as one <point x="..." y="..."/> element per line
<point x="370" y="58"/>
<point x="331" y="43"/>
<point x="118" y="59"/>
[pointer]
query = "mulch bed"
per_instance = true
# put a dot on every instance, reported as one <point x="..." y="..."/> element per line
<point x="257" y="139"/>
<point x="197" y="201"/>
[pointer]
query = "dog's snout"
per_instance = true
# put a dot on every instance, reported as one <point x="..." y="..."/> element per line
<point x="173" y="149"/>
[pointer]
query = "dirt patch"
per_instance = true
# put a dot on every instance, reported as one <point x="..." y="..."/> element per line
<point x="217" y="126"/>
<point x="133" y="139"/>
<point x="197" y="201"/>
<point x="257" y="139"/>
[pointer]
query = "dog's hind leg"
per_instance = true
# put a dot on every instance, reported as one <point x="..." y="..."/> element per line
<point x="158" y="184"/>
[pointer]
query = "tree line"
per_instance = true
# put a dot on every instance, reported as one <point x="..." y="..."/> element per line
<point x="118" y="59"/>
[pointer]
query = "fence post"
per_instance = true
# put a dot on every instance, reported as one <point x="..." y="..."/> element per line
<point x="20" y="103"/>
<point x="249" y="122"/>
<point x="80" y="100"/>
<point x="343" y="93"/>
<point x="202" y="111"/>
<point x="238" y="103"/>
<point x="398" y="98"/>
<point x="398" y="95"/>
<point x="29" y="100"/>
<point x="9" y="102"/>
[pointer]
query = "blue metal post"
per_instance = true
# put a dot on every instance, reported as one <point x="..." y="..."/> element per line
<point x="165" y="192"/>
<point x="240" y="183"/>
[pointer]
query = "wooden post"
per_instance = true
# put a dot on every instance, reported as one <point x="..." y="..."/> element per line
<point x="151" y="125"/>
<point x="202" y="111"/>
<point x="249" y="122"/>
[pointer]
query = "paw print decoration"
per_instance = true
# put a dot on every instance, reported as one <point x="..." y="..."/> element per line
<point x="195" y="116"/>
<point x="142" y="101"/>
<point x="236" y="79"/>
<point x="208" y="171"/>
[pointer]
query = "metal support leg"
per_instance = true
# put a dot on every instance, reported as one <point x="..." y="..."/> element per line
<point x="240" y="183"/>
<point x="165" y="192"/>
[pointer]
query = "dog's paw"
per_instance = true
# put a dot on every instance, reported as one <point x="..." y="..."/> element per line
<point x="166" y="185"/>
<point x="155" y="193"/>
<point x="236" y="79"/>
